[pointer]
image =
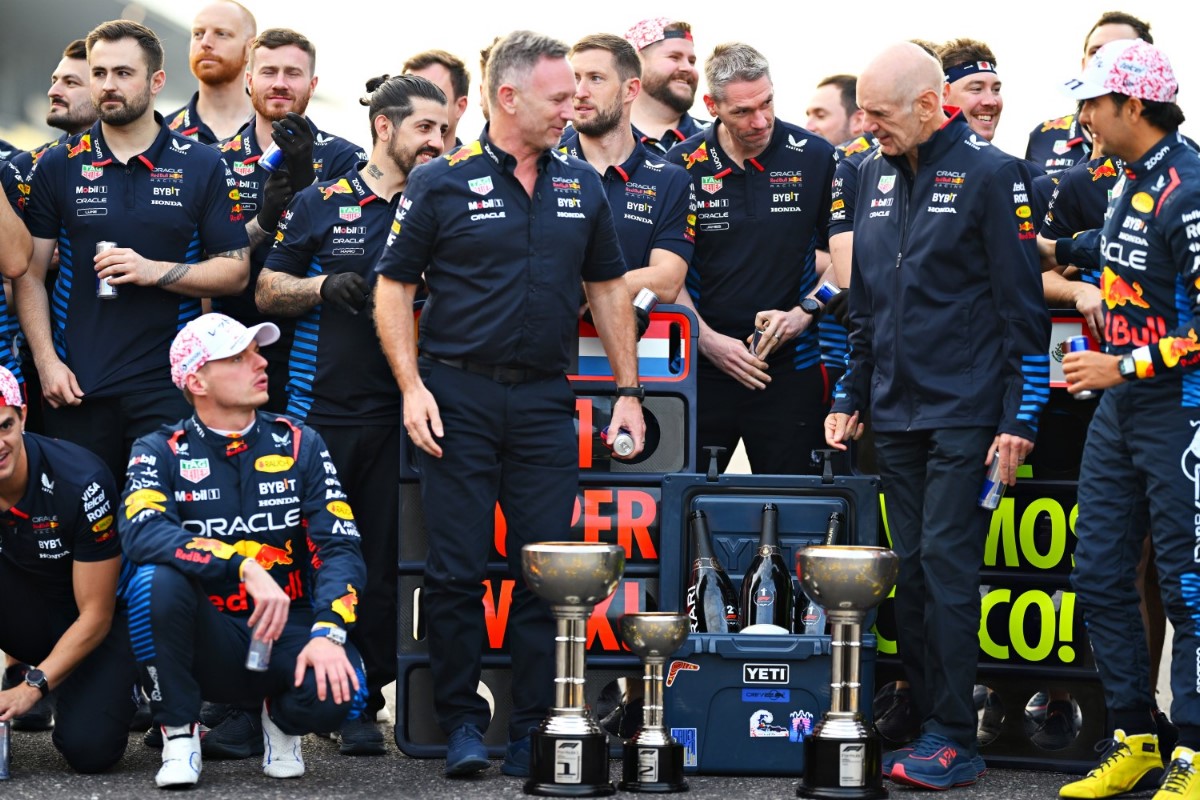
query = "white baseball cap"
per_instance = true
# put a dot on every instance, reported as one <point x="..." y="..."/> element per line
<point x="212" y="337"/>
<point x="1130" y="67"/>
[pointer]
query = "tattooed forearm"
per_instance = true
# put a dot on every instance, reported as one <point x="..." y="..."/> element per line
<point x="236" y="255"/>
<point x="374" y="171"/>
<point x="173" y="275"/>
<point x="256" y="233"/>
<point x="285" y="295"/>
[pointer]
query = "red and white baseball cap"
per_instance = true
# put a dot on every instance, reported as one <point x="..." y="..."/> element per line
<point x="1130" y="67"/>
<point x="212" y="337"/>
<point x="650" y="31"/>
<point x="10" y="389"/>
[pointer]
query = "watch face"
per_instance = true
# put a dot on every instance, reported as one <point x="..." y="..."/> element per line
<point x="35" y="677"/>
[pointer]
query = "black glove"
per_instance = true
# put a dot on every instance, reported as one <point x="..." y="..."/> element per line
<point x="345" y="290"/>
<point x="839" y="307"/>
<point x="294" y="136"/>
<point x="277" y="193"/>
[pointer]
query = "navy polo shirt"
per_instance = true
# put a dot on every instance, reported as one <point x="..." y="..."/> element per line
<point x="15" y="190"/>
<point x="758" y="229"/>
<point x="7" y="150"/>
<point x="186" y="122"/>
<point x="338" y="374"/>
<point x="1081" y="197"/>
<point x="175" y="202"/>
<point x="1058" y="144"/>
<point x="652" y="203"/>
<point x="25" y="159"/>
<point x="332" y="157"/>
<point x="503" y="268"/>
<point x="689" y="126"/>
<point x="66" y="515"/>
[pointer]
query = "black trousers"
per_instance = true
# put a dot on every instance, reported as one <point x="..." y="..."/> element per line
<point x="512" y="443"/>
<point x="368" y="464"/>
<point x="781" y="425"/>
<point x="187" y="649"/>
<point x="95" y="703"/>
<point x="931" y="482"/>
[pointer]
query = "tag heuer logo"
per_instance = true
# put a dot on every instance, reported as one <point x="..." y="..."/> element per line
<point x="193" y="469"/>
<point x="242" y="168"/>
<point x="886" y="183"/>
<point x="481" y="185"/>
<point x="710" y="184"/>
<point x="92" y="173"/>
<point x="350" y="213"/>
<point x="766" y="673"/>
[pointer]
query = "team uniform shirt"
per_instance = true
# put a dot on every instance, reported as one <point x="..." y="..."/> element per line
<point x="186" y="122"/>
<point x="176" y="202"/>
<point x="332" y="156"/>
<point x="66" y="515"/>
<point x="25" y="159"/>
<point x="204" y="503"/>
<point x="652" y="202"/>
<point x="7" y="150"/>
<point x="338" y="374"/>
<point x="949" y="325"/>
<point x="15" y="191"/>
<point x="758" y="230"/>
<point x="468" y="224"/>
<point x="1058" y="144"/>
<point x="689" y="126"/>
<point x="1080" y="200"/>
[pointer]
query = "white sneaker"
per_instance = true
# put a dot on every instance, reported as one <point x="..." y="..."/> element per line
<point x="282" y="757"/>
<point x="383" y="715"/>
<point x="180" y="757"/>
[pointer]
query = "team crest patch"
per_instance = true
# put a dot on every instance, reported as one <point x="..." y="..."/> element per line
<point x="481" y="185"/>
<point x="886" y="183"/>
<point x="193" y="469"/>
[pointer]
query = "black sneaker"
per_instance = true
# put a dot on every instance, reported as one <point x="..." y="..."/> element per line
<point x="1168" y="735"/>
<point x="1057" y="730"/>
<point x="38" y="718"/>
<point x="153" y="737"/>
<point x="143" y="717"/>
<point x="895" y="716"/>
<point x="213" y="714"/>
<point x="361" y="737"/>
<point x="239" y="735"/>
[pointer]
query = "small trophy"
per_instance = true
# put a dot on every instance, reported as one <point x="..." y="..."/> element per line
<point x="653" y="759"/>
<point x="842" y="758"/>
<point x="569" y="751"/>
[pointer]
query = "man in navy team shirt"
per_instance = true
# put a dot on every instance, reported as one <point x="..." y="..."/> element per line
<point x="171" y="208"/>
<point x="763" y="190"/>
<point x="669" y="79"/>
<point x="321" y="270"/>
<point x="71" y="108"/>
<point x="652" y="201"/>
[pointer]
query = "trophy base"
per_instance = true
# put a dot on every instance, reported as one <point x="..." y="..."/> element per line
<point x="842" y="769"/>
<point x="569" y="766"/>
<point x="653" y="768"/>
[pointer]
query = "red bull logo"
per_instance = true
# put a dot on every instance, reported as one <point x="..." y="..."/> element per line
<point x="179" y="120"/>
<point x="265" y="555"/>
<point x="699" y="154"/>
<point x="233" y="144"/>
<point x="1117" y="291"/>
<point x="1060" y="124"/>
<point x="1175" y="348"/>
<point x="1105" y="170"/>
<point x="341" y="187"/>
<point x="859" y="145"/>
<point x="344" y="605"/>
<point x="83" y="146"/>
<point x="463" y="153"/>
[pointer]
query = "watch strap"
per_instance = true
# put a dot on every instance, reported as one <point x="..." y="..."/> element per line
<point x="638" y="391"/>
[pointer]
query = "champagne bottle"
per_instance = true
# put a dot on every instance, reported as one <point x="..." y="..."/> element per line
<point x="768" y="596"/>
<point x="711" y="600"/>
<point x="813" y="617"/>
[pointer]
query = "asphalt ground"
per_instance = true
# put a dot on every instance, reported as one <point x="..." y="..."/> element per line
<point x="39" y="772"/>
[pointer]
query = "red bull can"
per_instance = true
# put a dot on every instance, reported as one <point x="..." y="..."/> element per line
<point x="104" y="289"/>
<point x="5" y="735"/>
<point x="622" y="445"/>
<point x="826" y="292"/>
<point x="993" y="487"/>
<point x="755" y="338"/>
<point x="272" y="158"/>
<point x="1078" y="344"/>
<point x="258" y="657"/>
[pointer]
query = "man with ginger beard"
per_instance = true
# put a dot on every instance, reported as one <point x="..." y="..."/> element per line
<point x="221" y="36"/>
<point x="669" y="80"/>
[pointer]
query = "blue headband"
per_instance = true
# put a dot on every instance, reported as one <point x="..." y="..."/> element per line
<point x="968" y="68"/>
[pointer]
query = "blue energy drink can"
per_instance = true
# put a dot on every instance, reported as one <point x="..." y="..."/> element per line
<point x="993" y="487"/>
<point x="1074" y="345"/>
<point x="272" y="158"/>
<point x="5" y="734"/>
<point x="826" y="292"/>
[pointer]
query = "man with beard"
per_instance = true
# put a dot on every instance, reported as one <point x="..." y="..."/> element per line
<point x="166" y="203"/>
<point x="764" y="187"/>
<point x="71" y="107"/>
<point x="652" y="201"/>
<point x="321" y="271"/>
<point x="447" y="72"/>
<point x="282" y="79"/>
<point x="669" y="78"/>
<point x="221" y="36"/>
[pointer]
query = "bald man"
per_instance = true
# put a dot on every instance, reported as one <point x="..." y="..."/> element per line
<point x="221" y="36"/>
<point x="949" y="337"/>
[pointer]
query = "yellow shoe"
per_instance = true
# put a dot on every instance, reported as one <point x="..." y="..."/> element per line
<point x="1183" y="776"/>
<point x="1130" y="764"/>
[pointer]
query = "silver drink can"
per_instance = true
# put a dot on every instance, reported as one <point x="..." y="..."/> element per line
<point x="5" y="751"/>
<point x="104" y="289"/>
<point x="993" y="487"/>
<point x="258" y="657"/>
<point x="622" y="445"/>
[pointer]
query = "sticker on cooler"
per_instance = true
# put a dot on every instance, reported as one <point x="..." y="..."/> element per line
<point x="687" y="738"/>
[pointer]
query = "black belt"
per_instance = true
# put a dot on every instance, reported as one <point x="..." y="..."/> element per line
<point x="499" y="373"/>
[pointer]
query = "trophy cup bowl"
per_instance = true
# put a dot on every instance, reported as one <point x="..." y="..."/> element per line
<point x="654" y="634"/>
<point x="569" y="751"/>
<point x="842" y="756"/>
<point x="653" y="760"/>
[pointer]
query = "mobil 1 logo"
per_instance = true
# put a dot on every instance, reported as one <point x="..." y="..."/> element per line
<point x="766" y="673"/>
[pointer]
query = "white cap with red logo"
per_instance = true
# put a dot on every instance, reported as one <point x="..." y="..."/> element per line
<point x="1130" y="67"/>
<point x="212" y="337"/>
<point x="10" y="389"/>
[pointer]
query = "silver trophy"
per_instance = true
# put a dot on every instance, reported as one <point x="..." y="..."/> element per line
<point x="569" y="751"/>
<point x="842" y="758"/>
<point x="653" y="759"/>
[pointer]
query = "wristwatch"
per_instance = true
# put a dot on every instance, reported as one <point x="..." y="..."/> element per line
<point x="811" y="307"/>
<point x="1128" y="368"/>
<point x="37" y="679"/>
<point x="331" y="632"/>
<point x="638" y="391"/>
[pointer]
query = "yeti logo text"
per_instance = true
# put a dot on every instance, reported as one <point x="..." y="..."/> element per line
<point x="765" y="673"/>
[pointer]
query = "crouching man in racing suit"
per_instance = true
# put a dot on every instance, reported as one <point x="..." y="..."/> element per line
<point x="236" y="525"/>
